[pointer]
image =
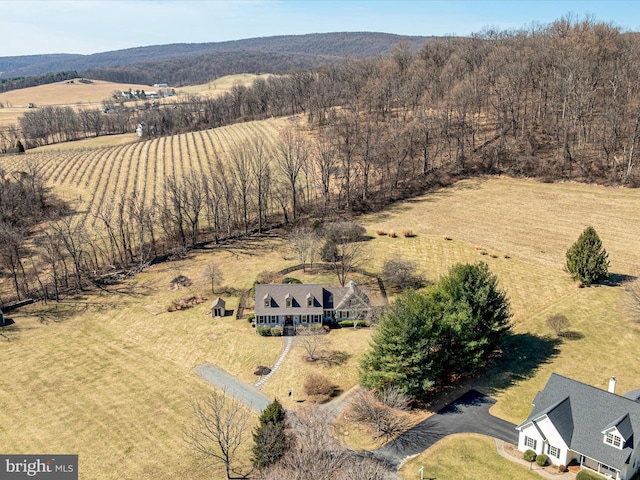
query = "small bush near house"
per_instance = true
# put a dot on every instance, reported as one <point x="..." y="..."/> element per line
<point x="317" y="384"/>
<point x="267" y="277"/>
<point x="250" y="317"/>
<point x="264" y="331"/>
<point x="276" y="331"/>
<point x="529" y="455"/>
<point x="562" y="468"/>
<point x="291" y="280"/>
<point x="587" y="475"/>
<point x="349" y="323"/>
<point x="542" y="460"/>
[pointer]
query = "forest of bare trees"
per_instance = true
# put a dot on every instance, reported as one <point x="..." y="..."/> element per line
<point x="556" y="102"/>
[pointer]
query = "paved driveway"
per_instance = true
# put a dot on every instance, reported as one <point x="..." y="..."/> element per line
<point x="234" y="387"/>
<point x="468" y="414"/>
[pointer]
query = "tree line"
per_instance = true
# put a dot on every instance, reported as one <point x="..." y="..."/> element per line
<point x="559" y="101"/>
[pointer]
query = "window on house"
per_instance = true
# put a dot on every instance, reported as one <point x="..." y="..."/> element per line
<point x="554" y="451"/>
<point x="530" y="442"/>
<point x="267" y="301"/>
<point x="309" y="301"/>
<point x="613" y="439"/>
<point x="287" y="300"/>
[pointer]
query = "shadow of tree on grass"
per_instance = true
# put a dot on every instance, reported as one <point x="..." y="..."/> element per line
<point x="522" y="355"/>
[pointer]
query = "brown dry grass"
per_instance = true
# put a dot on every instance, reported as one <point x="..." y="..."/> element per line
<point x="76" y="95"/>
<point x="472" y="457"/>
<point x="112" y="380"/>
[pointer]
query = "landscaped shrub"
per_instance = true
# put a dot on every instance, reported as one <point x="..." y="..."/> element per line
<point x="392" y="234"/>
<point x="380" y="232"/>
<point x="250" y="317"/>
<point x="291" y="280"/>
<point x="349" y="323"/>
<point x="264" y="331"/>
<point x="562" y="468"/>
<point x="587" y="475"/>
<point x="529" y="455"/>
<point x="262" y="370"/>
<point x="276" y="331"/>
<point x="317" y="384"/>
<point x="408" y="233"/>
<point x="542" y="459"/>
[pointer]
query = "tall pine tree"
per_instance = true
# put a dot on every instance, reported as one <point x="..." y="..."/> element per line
<point x="433" y="337"/>
<point x="587" y="260"/>
<point x="269" y="437"/>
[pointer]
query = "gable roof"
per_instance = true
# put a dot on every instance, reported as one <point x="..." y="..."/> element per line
<point x="325" y="298"/>
<point x="581" y="413"/>
<point x="277" y="293"/>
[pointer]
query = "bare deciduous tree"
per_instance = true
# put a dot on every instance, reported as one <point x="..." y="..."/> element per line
<point x="213" y="274"/>
<point x="219" y="429"/>
<point x="311" y="341"/>
<point x="558" y="323"/>
<point x="316" y="454"/>
<point x="305" y="243"/>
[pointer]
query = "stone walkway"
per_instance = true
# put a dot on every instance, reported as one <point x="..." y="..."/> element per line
<point x="532" y="466"/>
<point x="288" y="341"/>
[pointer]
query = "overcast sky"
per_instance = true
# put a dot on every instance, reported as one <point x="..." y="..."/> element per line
<point x="90" y="26"/>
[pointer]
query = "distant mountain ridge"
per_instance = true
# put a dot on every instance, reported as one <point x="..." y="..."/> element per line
<point x="310" y="47"/>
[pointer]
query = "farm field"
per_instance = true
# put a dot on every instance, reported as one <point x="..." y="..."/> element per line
<point x="63" y="94"/>
<point x="221" y="85"/>
<point x="78" y="172"/>
<point x="102" y="376"/>
<point x="91" y="95"/>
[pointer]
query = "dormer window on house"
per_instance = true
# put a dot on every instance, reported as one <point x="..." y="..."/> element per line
<point x="287" y="300"/>
<point x="267" y="301"/>
<point x="613" y="439"/>
<point x="309" y="300"/>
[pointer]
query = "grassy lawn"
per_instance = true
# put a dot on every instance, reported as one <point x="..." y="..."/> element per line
<point x="109" y="375"/>
<point x="472" y="457"/>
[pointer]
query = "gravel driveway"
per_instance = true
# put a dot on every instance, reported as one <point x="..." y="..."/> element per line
<point x="467" y="414"/>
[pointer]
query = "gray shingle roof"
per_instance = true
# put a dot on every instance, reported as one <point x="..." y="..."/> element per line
<point x="325" y="298"/>
<point x="298" y="294"/>
<point x="591" y="411"/>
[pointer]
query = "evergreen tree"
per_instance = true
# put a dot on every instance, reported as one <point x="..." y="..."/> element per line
<point x="475" y="316"/>
<point x="431" y="337"/>
<point x="269" y="437"/>
<point x="403" y="345"/>
<point x="587" y="260"/>
<point x="19" y="146"/>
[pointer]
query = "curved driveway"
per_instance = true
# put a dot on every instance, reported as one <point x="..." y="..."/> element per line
<point x="467" y="414"/>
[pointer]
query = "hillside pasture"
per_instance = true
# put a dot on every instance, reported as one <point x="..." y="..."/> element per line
<point x="88" y="177"/>
<point x="69" y="93"/>
<point x="116" y="347"/>
<point x="221" y="85"/>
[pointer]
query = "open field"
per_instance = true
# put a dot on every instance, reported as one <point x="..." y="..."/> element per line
<point x="62" y="94"/>
<point x="91" y="95"/>
<point x="105" y="377"/>
<point x="221" y="85"/>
